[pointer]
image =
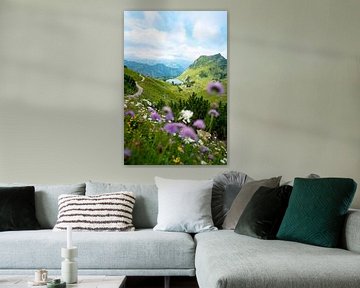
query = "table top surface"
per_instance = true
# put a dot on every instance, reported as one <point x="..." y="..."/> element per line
<point x="87" y="281"/>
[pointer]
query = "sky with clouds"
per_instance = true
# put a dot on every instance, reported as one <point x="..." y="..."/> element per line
<point x="174" y="35"/>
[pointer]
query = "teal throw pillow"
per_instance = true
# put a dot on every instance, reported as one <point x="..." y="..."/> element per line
<point x="316" y="211"/>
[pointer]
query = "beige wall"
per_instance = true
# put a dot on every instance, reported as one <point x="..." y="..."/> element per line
<point x="294" y="71"/>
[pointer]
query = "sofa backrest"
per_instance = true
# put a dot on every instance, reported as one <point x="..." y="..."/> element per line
<point x="46" y="200"/>
<point x="146" y="203"/>
<point x="351" y="236"/>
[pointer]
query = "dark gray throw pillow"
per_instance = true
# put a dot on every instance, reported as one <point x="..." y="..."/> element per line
<point x="263" y="214"/>
<point x="225" y="189"/>
<point x="243" y="198"/>
<point x="17" y="209"/>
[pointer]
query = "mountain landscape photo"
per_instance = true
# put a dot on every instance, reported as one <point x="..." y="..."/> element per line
<point x="175" y="104"/>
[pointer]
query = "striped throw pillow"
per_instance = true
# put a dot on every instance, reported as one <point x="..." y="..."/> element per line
<point x="105" y="212"/>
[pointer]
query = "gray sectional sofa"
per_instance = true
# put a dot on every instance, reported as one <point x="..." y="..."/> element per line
<point x="219" y="259"/>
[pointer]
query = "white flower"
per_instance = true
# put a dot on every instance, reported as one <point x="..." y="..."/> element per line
<point x="203" y="162"/>
<point x="147" y="102"/>
<point x="186" y="115"/>
<point x="188" y="140"/>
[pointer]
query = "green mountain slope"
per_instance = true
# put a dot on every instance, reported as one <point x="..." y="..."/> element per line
<point x="149" y="138"/>
<point x="129" y="85"/>
<point x="196" y="78"/>
<point x="217" y="61"/>
<point x="204" y="70"/>
<point x="154" y="89"/>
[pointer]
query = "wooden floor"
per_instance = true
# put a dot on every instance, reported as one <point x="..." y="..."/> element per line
<point x="158" y="282"/>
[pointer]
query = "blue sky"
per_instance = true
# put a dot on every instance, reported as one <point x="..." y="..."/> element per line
<point x="174" y="35"/>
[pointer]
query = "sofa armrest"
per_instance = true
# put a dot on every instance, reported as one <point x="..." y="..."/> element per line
<point x="351" y="234"/>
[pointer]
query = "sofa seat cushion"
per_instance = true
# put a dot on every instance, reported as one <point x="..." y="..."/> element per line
<point x="142" y="249"/>
<point x="226" y="259"/>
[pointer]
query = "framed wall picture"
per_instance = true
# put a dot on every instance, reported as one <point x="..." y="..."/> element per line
<point x="175" y="87"/>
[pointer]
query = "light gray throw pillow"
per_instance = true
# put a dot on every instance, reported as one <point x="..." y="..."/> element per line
<point x="184" y="205"/>
<point x="243" y="198"/>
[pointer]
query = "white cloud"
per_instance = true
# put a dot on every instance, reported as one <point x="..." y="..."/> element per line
<point x="168" y="51"/>
<point x="151" y="39"/>
<point x="151" y="17"/>
<point x="205" y="31"/>
<point x="146" y="37"/>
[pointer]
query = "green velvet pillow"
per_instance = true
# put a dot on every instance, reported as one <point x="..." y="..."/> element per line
<point x="17" y="208"/>
<point x="316" y="211"/>
<point x="263" y="214"/>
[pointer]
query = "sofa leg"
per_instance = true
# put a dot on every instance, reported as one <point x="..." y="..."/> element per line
<point x="167" y="282"/>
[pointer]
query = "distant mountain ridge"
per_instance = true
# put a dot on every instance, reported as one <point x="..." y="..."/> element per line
<point x="213" y="67"/>
<point x="158" y="70"/>
<point x="217" y="60"/>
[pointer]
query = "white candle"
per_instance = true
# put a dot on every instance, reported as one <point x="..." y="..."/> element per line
<point x="69" y="237"/>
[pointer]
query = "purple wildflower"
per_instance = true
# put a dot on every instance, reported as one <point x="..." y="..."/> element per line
<point x="169" y="116"/>
<point x="188" y="132"/>
<point x="155" y="116"/>
<point x="199" y="124"/>
<point x="130" y="113"/>
<point x="214" y="113"/>
<point x="127" y="153"/>
<point x="180" y="125"/>
<point x="211" y="157"/>
<point x="171" y="128"/>
<point x="150" y="109"/>
<point x="215" y="88"/>
<point x="204" y="149"/>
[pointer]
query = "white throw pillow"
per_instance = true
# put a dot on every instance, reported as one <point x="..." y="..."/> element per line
<point x="104" y="212"/>
<point x="184" y="205"/>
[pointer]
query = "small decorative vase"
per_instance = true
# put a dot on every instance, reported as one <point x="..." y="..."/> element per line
<point x="69" y="271"/>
